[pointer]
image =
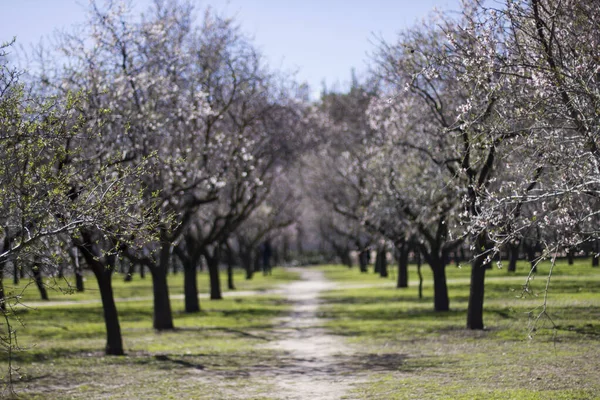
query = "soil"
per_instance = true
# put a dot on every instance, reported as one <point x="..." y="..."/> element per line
<point x="314" y="368"/>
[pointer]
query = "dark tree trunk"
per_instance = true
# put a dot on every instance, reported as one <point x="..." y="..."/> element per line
<point x="476" y="292"/>
<point x="230" y="262"/>
<point x="142" y="271"/>
<point x="190" y="287"/>
<point x="377" y="265"/>
<point x="103" y="273"/>
<point x="363" y="261"/>
<point x="163" y="317"/>
<point x="2" y="295"/>
<point x="130" y="271"/>
<point x="16" y="272"/>
<point x="256" y="261"/>
<point x="39" y="281"/>
<point x="570" y="256"/>
<point x="441" y="302"/>
<point x="213" y="272"/>
<point x="383" y="266"/>
<point x="78" y="271"/>
<point x="246" y="258"/>
<point x="114" y="342"/>
<point x="513" y="256"/>
<point x="531" y="257"/>
<point x="418" y="257"/>
<point x="402" y="251"/>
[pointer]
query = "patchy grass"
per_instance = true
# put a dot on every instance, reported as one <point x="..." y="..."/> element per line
<point x="429" y="354"/>
<point x="210" y="355"/>
<point x="63" y="290"/>
<point x="401" y="348"/>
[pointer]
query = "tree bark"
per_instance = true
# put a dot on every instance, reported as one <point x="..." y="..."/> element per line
<point x="190" y="287"/>
<point x="402" y="251"/>
<point x="513" y="256"/>
<point x="130" y="271"/>
<point x="114" y="341"/>
<point x="418" y="256"/>
<point x="383" y="267"/>
<point x="246" y="258"/>
<point x="2" y="295"/>
<point x="476" y="292"/>
<point x="213" y="272"/>
<point x="441" y="302"/>
<point x="103" y="273"/>
<point x="74" y="253"/>
<point x="163" y="317"/>
<point x="39" y="281"/>
<point x="230" y="262"/>
<point x="570" y="256"/>
<point x="16" y="272"/>
<point x="363" y="261"/>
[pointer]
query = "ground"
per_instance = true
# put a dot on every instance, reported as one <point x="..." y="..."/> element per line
<point x="323" y="333"/>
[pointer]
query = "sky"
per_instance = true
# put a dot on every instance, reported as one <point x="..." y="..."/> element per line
<point x="319" y="40"/>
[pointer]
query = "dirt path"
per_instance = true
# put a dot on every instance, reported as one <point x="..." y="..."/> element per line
<point x="312" y="368"/>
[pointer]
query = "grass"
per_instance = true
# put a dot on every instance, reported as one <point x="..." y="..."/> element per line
<point x="208" y="356"/>
<point x="399" y="347"/>
<point x="63" y="290"/>
<point x="424" y="354"/>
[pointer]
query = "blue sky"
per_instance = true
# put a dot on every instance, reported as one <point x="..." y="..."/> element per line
<point x="322" y="40"/>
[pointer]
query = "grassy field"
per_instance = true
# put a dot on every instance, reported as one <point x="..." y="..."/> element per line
<point x="416" y="353"/>
<point x="202" y="358"/>
<point x="398" y="347"/>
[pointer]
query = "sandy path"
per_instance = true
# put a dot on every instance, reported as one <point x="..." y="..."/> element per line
<point x="311" y="370"/>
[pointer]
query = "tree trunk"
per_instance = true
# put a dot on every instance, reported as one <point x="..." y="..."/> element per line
<point x="16" y="272"/>
<point x="246" y="258"/>
<point x="130" y="271"/>
<point x="114" y="341"/>
<point x="440" y="288"/>
<point x="476" y="292"/>
<point x="213" y="272"/>
<point x="190" y="287"/>
<point x="402" y="252"/>
<point x="570" y="256"/>
<point x="163" y="317"/>
<point x="78" y="271"/>
<point x="513" y="256"/>
<point x="2" y="295"/>
<point x="142" y="271"/>
<point x="230" y="284"/>
<point x="383" y="267"/>
<point x="418" y="256"/>
<point x="531" y="258"/>
<point x="595" y="259"/>
<point x="103" y="274"/>
<point x="363" y="261"/>
<point x="39" y="281"/>
<point x="441" y="302"/>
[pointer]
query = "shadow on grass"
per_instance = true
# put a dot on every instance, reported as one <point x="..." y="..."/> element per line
<point x="237" y="332"/>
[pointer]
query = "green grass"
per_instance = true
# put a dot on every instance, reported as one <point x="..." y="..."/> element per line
<point x="208" y="356"/>
<point x="419" y="353"/>
<point x="400" y="348"/>
<point x="63" y="290"/>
